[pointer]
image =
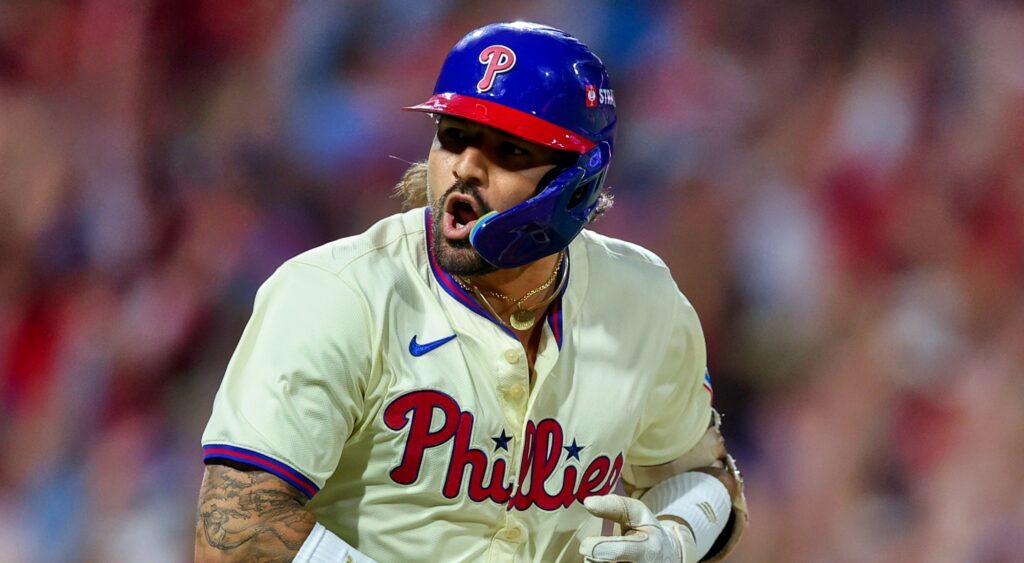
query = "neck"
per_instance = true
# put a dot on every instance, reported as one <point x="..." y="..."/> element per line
<point x="515" y="282"/>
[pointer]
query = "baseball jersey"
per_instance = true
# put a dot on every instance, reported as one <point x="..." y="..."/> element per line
<point x="372" y="382"/>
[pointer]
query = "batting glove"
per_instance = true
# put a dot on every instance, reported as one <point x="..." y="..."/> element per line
<point x="646" y="539"/>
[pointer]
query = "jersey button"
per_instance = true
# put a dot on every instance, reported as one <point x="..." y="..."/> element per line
<point x="512" y="356"/>
<point x="515" y="392"/>
<point x="513" y="533"/>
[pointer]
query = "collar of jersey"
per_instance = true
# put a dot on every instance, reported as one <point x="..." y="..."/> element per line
<point x="447" y="282"/>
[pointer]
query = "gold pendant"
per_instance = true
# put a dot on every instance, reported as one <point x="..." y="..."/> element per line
<point x="522" y="319"/>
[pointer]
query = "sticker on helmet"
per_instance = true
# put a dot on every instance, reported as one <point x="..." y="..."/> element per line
<point x="597" y="96"/>
<point x="607" y="97"/>
<point x="498" y="59"/>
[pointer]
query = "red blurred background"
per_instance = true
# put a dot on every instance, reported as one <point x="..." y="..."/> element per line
<point x="838" y="187"/>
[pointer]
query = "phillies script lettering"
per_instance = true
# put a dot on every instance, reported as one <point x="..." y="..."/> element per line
<point x="543" y="446"/>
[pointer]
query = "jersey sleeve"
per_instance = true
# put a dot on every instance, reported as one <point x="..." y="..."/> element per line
<point x="679" y="409"/>
<point x="294" y="388"/>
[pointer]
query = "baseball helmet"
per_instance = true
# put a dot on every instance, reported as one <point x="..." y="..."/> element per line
<point x="540" y="84"/>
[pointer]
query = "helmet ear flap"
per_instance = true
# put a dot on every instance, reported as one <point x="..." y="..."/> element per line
<point x="548" y="221"/>
<point x="586" y="192"/>
<point x="549" y="177"/>
<point x="579" y="194"/>
<point x="583" y="193"/>
<point x="583" y="201"/>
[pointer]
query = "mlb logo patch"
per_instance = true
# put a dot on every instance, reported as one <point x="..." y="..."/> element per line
<point x="591" y="91"/>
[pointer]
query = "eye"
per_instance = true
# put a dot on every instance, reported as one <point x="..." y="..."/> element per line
<point x="452" y="133"/>
<point x="512" y="149"/>
<point x="453" y="137"/>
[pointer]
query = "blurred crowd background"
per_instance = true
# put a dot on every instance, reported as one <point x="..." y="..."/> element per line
<point x="838" y="187"/>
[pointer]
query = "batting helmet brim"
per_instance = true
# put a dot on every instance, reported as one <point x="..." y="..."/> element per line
<point x="512" y="121"/>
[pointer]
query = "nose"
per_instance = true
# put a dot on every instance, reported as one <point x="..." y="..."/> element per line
<point x="471" y="166"/>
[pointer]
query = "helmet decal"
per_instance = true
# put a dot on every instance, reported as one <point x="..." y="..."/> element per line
<point x="591" y="91"/>
<point x="607" y="96"/>
<point x="498" y="59"/>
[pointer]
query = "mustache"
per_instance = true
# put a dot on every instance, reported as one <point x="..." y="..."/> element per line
<point x="463" y="187"/>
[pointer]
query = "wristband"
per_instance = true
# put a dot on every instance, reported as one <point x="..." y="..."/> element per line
<point x="321" y="546"/>
<point x="699" y="499"/>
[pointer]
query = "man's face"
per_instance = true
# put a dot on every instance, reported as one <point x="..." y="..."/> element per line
<point x="474" y="169"/>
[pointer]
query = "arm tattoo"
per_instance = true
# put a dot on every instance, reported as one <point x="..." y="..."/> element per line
<point x="249" y="515"/>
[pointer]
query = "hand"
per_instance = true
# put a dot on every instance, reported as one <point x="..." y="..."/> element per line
<point x="646" y="539"/>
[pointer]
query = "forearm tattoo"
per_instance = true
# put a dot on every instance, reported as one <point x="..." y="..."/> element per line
<point x="249" y="516"/>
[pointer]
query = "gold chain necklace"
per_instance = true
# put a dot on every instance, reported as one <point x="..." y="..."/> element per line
<point x="521" y="318"/>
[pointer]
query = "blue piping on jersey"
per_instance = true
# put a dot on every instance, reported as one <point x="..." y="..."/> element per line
<point x="213" y="452"/>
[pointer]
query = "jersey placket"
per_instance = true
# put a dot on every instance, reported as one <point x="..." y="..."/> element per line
<point x="484" y="339"/>
<point x="516" y="399"/>
<point x="508" y="379"/>
<point x="486" y="342"/>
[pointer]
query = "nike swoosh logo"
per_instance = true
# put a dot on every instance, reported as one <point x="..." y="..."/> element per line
<point x="420" y="349"/>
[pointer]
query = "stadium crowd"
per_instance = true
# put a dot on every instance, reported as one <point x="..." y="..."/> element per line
<point x="837" y="185"/>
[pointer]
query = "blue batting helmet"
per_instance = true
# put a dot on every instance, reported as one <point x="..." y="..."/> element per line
<point x="545" y="86"/>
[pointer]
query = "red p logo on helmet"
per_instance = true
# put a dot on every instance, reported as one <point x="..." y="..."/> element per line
<point x="498" y="59"/>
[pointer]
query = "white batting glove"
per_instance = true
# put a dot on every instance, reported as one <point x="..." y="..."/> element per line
<point x="646" y="539"/>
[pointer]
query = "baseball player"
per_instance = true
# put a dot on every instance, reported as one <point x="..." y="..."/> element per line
<point x="472" y="379"/>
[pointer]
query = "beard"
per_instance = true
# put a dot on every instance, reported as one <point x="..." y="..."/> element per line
<point x="457" y="257"/>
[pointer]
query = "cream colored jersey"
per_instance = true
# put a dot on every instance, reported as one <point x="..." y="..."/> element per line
<point x="372" y="382"/>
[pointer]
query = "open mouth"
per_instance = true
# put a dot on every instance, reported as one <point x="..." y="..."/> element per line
<point x="460" y="215"/>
